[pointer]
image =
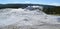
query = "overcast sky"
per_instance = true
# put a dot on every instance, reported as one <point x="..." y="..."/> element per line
<point x="46" y="2"/>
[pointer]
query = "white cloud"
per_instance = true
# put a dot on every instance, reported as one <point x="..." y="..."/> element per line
<point x="18" y="2"/>
<point x="27" y="2"/>
<point x="55" y="4"/>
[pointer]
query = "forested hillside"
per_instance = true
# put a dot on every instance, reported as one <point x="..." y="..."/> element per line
<point x="52" y="10"/>
<point x="46" y="8"/>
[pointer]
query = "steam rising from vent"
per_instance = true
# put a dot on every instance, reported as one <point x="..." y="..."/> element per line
<point x="22" y="17"/>
<point x="35" y="7"/>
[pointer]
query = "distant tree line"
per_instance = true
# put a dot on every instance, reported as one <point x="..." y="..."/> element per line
<point x="52" y="10"/>
<point x="48" y="9"/>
